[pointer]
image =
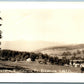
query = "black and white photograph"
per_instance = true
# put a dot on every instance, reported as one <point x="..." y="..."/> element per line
<point x="42" y="38"/>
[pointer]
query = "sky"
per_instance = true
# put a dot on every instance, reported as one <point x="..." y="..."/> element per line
<point x="52" y="23"/>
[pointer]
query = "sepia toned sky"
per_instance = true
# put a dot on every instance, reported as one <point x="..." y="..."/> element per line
<point x="46" y="24"/>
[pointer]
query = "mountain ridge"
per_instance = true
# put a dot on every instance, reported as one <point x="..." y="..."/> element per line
<point x="23" y="45"/>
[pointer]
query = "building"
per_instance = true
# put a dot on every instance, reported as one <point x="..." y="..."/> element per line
<point x="28" y="60"/>
<point x="77" y="63"/>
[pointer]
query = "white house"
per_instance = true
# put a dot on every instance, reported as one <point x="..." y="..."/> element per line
<point x="76" y="64"/>
<point x="28" y="60"/>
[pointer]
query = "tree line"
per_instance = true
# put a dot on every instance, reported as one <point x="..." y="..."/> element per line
<point x="10" y="55"/>
<point x="68" y="53"/>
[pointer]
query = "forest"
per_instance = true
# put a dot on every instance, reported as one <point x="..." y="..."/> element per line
<point x="10" y="55"/>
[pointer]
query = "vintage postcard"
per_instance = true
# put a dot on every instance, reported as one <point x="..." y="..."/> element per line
<point x="41" y="41"/>
<point x="41" y="37"/>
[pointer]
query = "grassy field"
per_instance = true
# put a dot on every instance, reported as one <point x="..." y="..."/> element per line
<point x="34" y="67"/>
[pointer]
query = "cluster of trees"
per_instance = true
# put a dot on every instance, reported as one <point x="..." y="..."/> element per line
<point x="68" y="53"/>
<point x="76" y="55"/>
<point x="56" y="60"/>
<point x="22" y="56"/>
<point x="77" y="58"/>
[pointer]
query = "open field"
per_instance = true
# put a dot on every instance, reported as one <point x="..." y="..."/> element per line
<point x="23" y="66"/>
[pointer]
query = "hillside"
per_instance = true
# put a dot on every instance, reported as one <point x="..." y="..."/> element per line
<point x="66" y="47"/>
<point x="58" y="50"/>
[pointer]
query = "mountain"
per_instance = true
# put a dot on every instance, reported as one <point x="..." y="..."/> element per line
<point x="22" y="45"/>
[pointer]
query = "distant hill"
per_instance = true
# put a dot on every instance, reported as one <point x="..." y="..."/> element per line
<point x="66" y="47"/>
<point x="22" y="45"/>
<point x="60" y="49"/>
<point x="50" y="48"/>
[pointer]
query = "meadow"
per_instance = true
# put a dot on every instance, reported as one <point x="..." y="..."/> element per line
<point x="34" y="67"/>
